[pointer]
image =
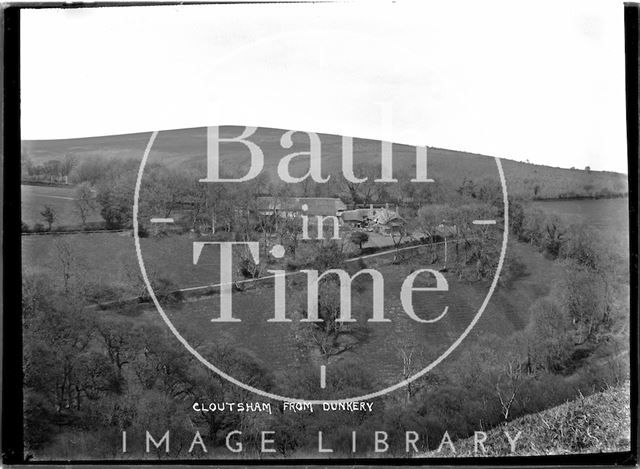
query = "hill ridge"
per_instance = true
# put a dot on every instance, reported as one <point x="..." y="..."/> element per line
<point x="178" y="147"/>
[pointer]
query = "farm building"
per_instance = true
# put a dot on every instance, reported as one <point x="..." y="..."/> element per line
<point x="357" y="218"/>
<point x="382" y="219"/>
<point x="287" y="207"/>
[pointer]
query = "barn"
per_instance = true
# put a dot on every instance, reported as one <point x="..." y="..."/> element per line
<point x="287" y="207"/>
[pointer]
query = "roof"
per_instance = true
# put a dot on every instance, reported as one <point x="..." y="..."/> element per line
<point x="352" y="215"/>
<point x="446" y="230"/>
<point x="315" y="205"/>
<point x="381" y="216"/>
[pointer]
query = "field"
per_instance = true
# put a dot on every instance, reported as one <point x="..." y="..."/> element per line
<point x="109" y="259"/>
<point x="610" y="217"/>
<point x="34" y="198"/>
<point x="178" y="147"/>
<point x="506" y="313"/>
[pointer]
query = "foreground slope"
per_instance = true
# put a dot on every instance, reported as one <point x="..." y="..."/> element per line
<point x="595" y="424"/>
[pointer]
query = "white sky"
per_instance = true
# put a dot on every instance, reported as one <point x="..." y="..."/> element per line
<point x="540" y="80"/>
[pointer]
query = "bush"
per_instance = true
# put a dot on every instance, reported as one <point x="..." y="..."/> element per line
<point x="512" y="269"/>
<point x="224" y="236"/>
<point x="328" y="256"/>
<point x="585" y="248"/>
<point x="292" y="265"/>
<point x="94" y="226"/>
<point x="38" y="228"/>
<point x="166" y="290"/>
<point x="97" y="292"/>
<point x="143" y="232"/>
<point x="24" y="227"/>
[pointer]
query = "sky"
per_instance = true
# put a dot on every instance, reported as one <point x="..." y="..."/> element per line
<point x="540" y="81"/>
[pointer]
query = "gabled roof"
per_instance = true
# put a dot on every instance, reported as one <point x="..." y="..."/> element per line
<point x="315" y="205"/>
<point x="352" y="215"/>
<point x="387" y="216"/>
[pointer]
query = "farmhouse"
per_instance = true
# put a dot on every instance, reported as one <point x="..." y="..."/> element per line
<point x="382" y="219"/>
<point x="287" y="207"/>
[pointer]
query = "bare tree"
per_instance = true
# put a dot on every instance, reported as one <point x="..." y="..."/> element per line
<point x="85" y="201"/>
<point x="509" y="385"/>
<point x="399" y="233"/>
<point x="67" y="261"/>
<point x="68" y="163"/>
<point x="49" y="215"/>
<point x="411" y="356"/>
<point x="329" y="337"/>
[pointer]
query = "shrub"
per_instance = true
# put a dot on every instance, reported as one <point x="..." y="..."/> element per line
<point x="328" y="255"/>
<point x="585" y="248"/>
<point x="96" y="292"/>
<point x="359" y="238"/>
<point x="512" y="269"/>
<point x="166" y="290"/>
<point x="224" y="236"/>
<point x="143" y="232"/>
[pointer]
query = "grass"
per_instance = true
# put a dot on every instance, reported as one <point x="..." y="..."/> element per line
<point x="182" y="146"/>
<point x="274" y="345"/>
<point x="595" y="424"/>
<point x="34" y="198"/>
<point x="109" y="259"/>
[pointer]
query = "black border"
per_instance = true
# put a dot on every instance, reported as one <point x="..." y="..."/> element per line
<point x="12" y="391"/>
<point x="12" y="428"/>
<point x="631" y="40"/>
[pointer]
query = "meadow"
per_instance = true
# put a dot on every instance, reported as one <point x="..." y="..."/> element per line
<point x="610" y="217"/>
<point x="34" y="199"/>
<point x="109" y="259"/>
<point x="274" y="346"/>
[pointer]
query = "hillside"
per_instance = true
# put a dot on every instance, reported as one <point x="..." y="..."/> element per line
<point x="184" y="146"/>
<point x="595" y="424"/>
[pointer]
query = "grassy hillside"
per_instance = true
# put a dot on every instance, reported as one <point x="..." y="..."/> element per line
<point x="109" y="259"/>
<point x="61" y="199"/>
<point x="595" y="424"/>
<point x="177" y="147"/>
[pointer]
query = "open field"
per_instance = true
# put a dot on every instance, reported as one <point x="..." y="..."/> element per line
<point x="179" y="147"/>
<point x="107" y="256"/>
<point x="265" y="342"/>
<point x="34" y="198"/>
<point x="610" y="217"/>
<point x="109" y="259"/>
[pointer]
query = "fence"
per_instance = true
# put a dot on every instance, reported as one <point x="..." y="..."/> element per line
<point x="70" y="232"/>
